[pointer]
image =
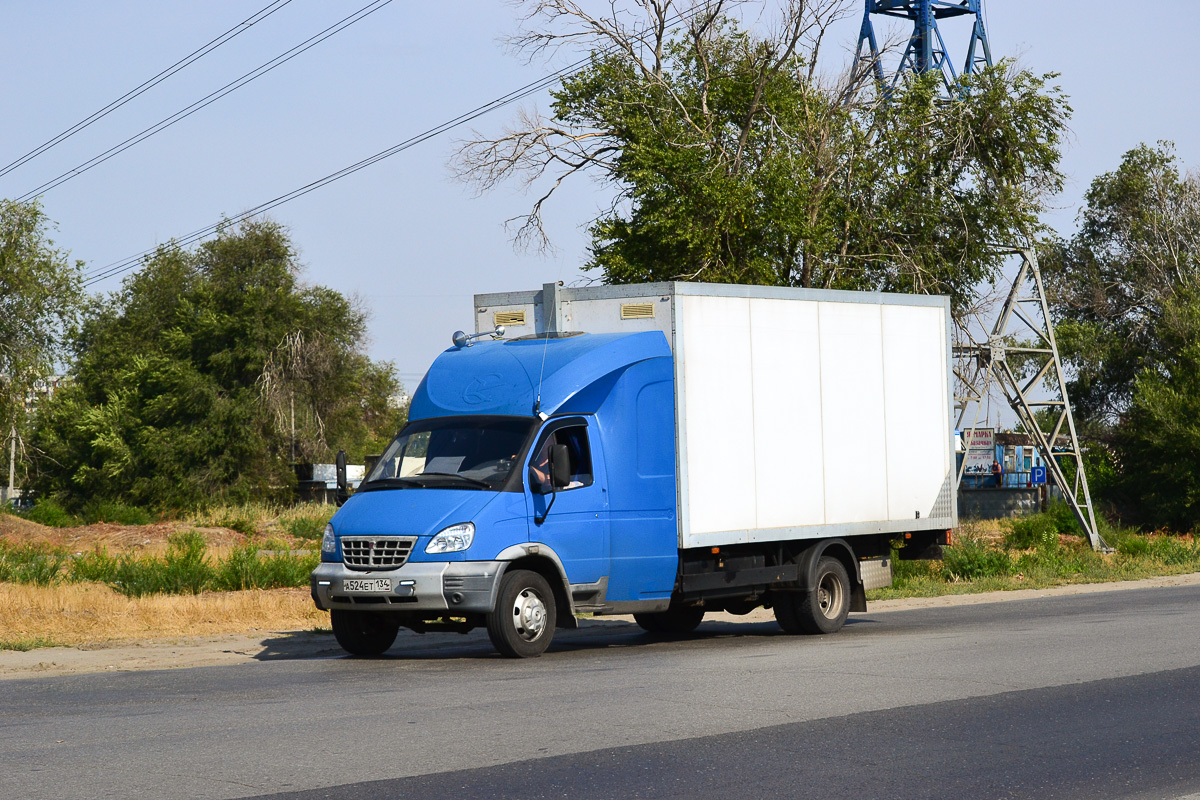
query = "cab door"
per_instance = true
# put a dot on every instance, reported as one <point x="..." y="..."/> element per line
<point x="572" y="520"/>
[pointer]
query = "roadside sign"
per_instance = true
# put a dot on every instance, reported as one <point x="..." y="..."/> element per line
<point x="1037" y="475"/>
<point x="980" y="444"/>
<point x="979" y="438"/>
<point x="979" y="462"/>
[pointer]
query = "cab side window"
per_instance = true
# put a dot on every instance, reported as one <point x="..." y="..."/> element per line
<point x="574" y="438"/>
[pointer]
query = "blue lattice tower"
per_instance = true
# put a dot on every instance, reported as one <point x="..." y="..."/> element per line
<point x="926" y="50"/>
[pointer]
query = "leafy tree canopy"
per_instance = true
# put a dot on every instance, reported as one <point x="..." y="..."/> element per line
<point x="1137" y="246"/>
<point x="1125" y="294"/>
<point x="732" y="159"/>
<point x="187" y="380"/>
<point x="1157" y="443"/>
<point x="40" y="297"/>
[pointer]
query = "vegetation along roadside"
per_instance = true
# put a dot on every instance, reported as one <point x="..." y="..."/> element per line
<point x="65" y="580"/>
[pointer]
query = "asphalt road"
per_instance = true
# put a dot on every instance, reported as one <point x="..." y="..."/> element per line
<point x="1094" y="696"/>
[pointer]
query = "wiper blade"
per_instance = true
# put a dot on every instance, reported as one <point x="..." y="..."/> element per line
<point x="385" y="483"/>
<point x="472" y="481"/>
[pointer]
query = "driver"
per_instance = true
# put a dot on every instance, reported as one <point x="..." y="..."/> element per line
<point x="539" y="465"/>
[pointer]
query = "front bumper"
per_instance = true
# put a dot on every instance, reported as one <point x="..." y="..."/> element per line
<point x="449" y="587"/>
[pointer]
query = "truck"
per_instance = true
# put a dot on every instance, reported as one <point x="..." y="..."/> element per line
<point x="663" y="450"/>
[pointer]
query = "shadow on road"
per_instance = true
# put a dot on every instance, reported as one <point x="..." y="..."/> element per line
<point x="592" y="635"/>
<point x="299" y="645"/>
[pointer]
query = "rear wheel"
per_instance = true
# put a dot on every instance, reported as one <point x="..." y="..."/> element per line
<point x="675" y="621"/>
<point x="823" y="607"/>
<point x="522" y="624"/>
<point x="363" y="633"/>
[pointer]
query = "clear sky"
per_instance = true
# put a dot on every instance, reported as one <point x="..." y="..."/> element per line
<point x="402" y="235"/>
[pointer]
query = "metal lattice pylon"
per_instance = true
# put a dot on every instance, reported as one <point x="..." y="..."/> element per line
<point x="979" y="363"/>
<point x="926" y="50"/>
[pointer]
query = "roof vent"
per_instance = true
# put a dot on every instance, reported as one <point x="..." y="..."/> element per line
<point x="509" y="318"/>
<point x="637" y="310"/>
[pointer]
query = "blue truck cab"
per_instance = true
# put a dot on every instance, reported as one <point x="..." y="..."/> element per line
<point x="463" y="522"/>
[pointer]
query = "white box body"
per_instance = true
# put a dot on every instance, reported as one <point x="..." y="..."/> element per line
<point x="799" y="414"/>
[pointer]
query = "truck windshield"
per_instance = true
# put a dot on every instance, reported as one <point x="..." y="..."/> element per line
<point x="452" y="453"/>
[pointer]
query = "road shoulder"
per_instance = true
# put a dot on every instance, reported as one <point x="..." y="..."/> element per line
<point x="231" y="649"/>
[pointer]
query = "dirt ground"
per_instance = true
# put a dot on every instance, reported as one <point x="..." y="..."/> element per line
<point x="149" y="539"/>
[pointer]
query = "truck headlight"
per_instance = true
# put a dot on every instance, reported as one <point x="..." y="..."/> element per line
<point x="328" y="542"/>
<point x="453" y="539"/>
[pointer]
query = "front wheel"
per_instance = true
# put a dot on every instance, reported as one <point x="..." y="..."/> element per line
<point x="522" y="624"/>
<point x="823" y="607"/>
<point x="363" y="633"/>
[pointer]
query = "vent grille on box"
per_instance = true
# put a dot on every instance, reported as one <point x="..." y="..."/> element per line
<point x="509" y="318"/>
<point x="637" y="310"/>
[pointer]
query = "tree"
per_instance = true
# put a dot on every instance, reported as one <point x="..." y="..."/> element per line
<point x="177" y="382"/>
<point x="40" y="296"/>
<point x="1157" y="443"/>
<point x="732" y="159"/>
<point x="1137" y="247"/>
<point x="1125" y="294"/>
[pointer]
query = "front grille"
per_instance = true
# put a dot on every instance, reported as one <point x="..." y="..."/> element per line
<point x="376" y="552"/>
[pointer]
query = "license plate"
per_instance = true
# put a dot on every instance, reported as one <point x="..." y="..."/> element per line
<point x="366" y="585"/>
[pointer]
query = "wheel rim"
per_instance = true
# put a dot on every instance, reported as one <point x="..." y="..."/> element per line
<point x="529" y="614"/>
<point x="829" y="596"/>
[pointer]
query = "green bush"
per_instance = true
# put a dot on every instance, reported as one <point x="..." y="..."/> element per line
<point x="970" y="559"/>
<point x="306" y="527"/>
<point x="137" y="577"/>
<point x="106" y="511"/>
<point x="1064" y="518"/>
<point x="237" y="523"/>
<point x="47" y="512"/>
<point x="95" y="567"/>
<point x="246" y="569"/>
<point x="1037" y="530"/>
<point x="1174" y="550"/>
<point x="36" y="564"/>
<point x="905" y="572"/>
<point x="186" y="568"/>
<point x="1132" y="545"/>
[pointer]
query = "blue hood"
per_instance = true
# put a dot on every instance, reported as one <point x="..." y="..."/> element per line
<point x="503" y="377"/>
<point x="408" y="512"/>
<point x="500" y="518"/>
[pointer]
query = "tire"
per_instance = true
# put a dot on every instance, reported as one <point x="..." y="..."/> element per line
<point x="522" y="624"/>
<point x="363" y="633"/>
<point x="823" y="607"/>
<point x="786" y="608"/>
<point x="675" y="621"/>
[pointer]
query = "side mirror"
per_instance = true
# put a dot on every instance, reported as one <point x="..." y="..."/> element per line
<point x="560" y="466"/>
<point x="343" y="489"/>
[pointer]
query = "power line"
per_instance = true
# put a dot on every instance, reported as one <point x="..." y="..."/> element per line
<point x="126" y="264"/>
<point x="186" y="61"/>
<point x="209" y="99"/>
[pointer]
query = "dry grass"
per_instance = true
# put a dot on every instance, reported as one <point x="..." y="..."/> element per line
<point x="92" y="614"/>
<point x="266" y="519"/>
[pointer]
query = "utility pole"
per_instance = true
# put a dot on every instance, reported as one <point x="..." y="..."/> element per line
<point x="926" y="50"/>
<point x="1053" y="432"/>
<point x="12" y="463"/>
